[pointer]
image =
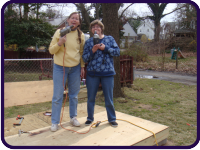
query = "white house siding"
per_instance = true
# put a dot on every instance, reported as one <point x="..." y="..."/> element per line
<point x="147" y="30"/>
<point x="128" y="32"/>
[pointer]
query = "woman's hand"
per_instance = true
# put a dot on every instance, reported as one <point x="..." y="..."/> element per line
<point x="98" y="46"/>
<point x="95" y="48"/>
<point x="101" y="46"/>
<point x="62" y="40"/>
<point x="82" y="72"/>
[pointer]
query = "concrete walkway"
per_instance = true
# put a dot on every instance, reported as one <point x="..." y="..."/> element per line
<point x="173" y="77"/>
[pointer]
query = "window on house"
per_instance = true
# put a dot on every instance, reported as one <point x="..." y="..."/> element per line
<point x="140" y="30"/>
<point x="147" y="30"/>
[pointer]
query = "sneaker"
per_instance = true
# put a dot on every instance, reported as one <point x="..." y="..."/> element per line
<point x="74" y="122"/>
<point x="87" y="123"/>
<point x="54" y="127"/>
<point x="114" y="124"/>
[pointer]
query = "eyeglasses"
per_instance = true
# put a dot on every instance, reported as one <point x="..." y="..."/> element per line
<point x="97" y="27"/>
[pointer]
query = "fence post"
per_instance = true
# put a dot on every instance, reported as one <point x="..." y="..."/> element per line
<point x="133" y="73"/>
<point x="177" y="58"/>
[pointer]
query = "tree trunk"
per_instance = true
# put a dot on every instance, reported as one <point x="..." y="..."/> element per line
<point x="157" y="31"/>
<point x="10" y="7"/>
<point x="20" y="11"/>
<point x="97" y="10"/>
<point x="37" y="10"/>
<point x="85" y="14"/>
<point x="110" y="20"/>
<point x="26" y="10"/>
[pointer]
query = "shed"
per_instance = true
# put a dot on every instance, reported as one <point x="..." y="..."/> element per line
<point x="184" y="32"/>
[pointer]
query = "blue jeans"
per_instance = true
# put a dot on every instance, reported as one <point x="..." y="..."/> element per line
<point x="107" y="86"/>
<point x="73" y="75"/>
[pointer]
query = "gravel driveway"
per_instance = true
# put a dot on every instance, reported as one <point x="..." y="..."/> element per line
<point x="173" y="77"/>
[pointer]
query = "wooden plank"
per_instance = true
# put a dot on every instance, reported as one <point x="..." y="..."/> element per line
<point x="124" y="70"/>
<point x="131" y="65"/>
<point x="38" y="120"/>
<point x="30" y="122"/>
<point x="30" y="92"/>
<point x="121" y="71"/>
<point x="21" y="93"/>
<point x="125" y="134"/>
<point x="128" y="70"/>
<point x="161" y="136"/>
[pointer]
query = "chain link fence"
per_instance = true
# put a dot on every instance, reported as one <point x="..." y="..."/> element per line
<point x="16" y="70"/>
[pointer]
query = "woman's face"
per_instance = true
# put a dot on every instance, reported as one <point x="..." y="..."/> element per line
<point x="96" y="28"/>
<point x="74" y="20"/>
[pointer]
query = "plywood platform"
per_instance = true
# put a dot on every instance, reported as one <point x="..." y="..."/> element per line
<point x="125" y="134"/>
<point x="30" y="92"/>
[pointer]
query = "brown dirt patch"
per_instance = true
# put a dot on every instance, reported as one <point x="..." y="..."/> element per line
<point x="144" y="106"/>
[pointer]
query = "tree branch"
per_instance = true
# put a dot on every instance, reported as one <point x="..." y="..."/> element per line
<point x="118" y="5"/>
<point x="173" y="11"/>
<point x="125" y="10"/>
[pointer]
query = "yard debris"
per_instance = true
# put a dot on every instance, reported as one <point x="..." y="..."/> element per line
<point x="191" y="125"/>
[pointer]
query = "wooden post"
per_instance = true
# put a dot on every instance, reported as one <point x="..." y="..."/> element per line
<point x="128" y="40"/>
<point x="177" y="59"/>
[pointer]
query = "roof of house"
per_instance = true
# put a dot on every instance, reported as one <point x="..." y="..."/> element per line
<point x="184" y="30"/>
<point x="173" y="25"/>
<point x="128" y="30"/>
<point x="146" y="23"/>
<point x="57" y="21"/>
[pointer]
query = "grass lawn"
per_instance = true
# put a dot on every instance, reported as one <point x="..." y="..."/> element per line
<point x="164" y="102"/>
<point x="13" y="76"/>
<point x="186" y="65"/>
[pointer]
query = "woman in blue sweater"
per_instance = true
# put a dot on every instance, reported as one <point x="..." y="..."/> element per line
<point x="100" y="69"/>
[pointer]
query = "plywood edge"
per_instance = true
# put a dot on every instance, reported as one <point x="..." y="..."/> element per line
<point x="150" y="141"/>
<point x="36" y="130"/>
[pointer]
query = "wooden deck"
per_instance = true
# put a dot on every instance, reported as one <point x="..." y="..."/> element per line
<point x="125" y="134"/>
<point x="30" y="92"/>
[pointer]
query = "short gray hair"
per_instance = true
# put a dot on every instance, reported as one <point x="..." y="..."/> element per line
<point x="98" y="22"/>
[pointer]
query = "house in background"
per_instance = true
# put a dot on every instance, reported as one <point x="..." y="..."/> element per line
<point x="184" y="32"/>
<point x="60" y="22"/>
<point x="128" y="33"/>
<point x="147" y="29"/>
<point x="177" y="29"/>
<point x="168" y="29"/>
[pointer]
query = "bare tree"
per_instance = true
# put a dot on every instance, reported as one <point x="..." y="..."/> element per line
<point x="84" y="11"/>
<point x="187" y="16"/>
<point x="111" y="22"/>
<point x="157" y="14"/>
<point x="97" y="7"/>
<point x="110" y="11"/>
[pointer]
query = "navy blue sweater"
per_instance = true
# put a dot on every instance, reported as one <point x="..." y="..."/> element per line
<point x="101" y="63"/>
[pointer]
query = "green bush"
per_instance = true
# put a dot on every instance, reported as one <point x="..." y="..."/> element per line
<point x="137" y="52"/>
<point x="26" y="33"/>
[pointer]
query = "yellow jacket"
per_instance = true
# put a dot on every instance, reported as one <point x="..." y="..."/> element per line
<point x="74" y="50"/>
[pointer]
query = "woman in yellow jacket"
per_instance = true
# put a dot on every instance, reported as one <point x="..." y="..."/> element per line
<point x="69" y="48"/>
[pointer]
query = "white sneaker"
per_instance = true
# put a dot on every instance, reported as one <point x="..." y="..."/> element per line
<point x="54" y="127"/>
<point x="74" y="122"/>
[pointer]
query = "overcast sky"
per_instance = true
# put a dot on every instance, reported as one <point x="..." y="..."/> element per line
<point x="142" y="10"/>
<point x="139" y="8"/>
